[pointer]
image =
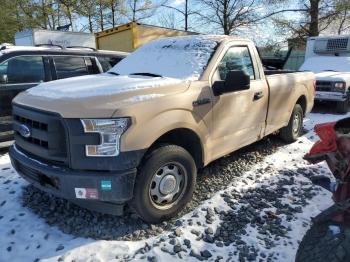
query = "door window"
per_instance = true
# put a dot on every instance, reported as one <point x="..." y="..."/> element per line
<point x="23" y="69"/>
<point x="236" y="58"/>
<point x="70" y="66"/>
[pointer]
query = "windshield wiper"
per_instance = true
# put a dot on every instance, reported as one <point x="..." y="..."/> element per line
<point x="329" y="70"/>
<point x="146" y="74"/>
<point x="113" y="73"/>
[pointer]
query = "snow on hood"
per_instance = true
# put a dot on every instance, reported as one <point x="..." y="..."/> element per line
<point x="320" y="64"/>
<point x="183" y="57"/>
<point x="97" y="85"/>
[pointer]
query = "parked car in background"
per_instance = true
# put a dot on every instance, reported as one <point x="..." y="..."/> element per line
<point x="138" y="133"/>
<point x="24" y="67"/>
<point x="329" y="58"/>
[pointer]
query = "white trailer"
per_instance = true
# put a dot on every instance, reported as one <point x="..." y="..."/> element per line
<point x="35" y="37"/>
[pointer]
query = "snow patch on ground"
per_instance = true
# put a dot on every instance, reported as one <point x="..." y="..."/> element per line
<point x="26" y="237"/>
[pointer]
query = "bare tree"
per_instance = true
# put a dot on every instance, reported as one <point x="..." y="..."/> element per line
<point x="142" y="9"/>
<point x="185" y="12"/>
<point x="229" y="15"/>
<point x="87" y="8"/>
<point x="343" y="6"/>
<point x="69" y="7"/>
<point x="117" y="9"/>
<point x="168" y="20"/>
<point x="317" y="15"/>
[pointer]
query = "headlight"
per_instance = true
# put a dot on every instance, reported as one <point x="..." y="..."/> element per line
<point x="110" y="131"/>
<point x="339" y="86"/>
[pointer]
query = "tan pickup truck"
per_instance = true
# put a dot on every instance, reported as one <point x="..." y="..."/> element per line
<point x="138" y="133"/>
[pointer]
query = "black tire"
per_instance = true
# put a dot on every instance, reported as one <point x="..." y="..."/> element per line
<point x="321" y="245"/>
<point x="289" y="133"/>
<point x="343" y="107"/>
<point x="164" y="156"/>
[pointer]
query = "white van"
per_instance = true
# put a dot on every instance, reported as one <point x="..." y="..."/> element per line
<point x="329" y="58"/>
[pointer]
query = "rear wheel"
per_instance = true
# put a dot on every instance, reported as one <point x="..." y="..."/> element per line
<point x="165" y="183"/>
<point x="291" y="132"/>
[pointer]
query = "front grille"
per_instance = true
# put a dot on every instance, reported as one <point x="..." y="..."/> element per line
<point x="325" y="86"/>
<point x="47" y="139"/>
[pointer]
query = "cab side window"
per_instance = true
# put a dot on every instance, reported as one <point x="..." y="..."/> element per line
<point x="23" y="69"/>
<point x="70" y="66"/>
<point x="236" y="58"/>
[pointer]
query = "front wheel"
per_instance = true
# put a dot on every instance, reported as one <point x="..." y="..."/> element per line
<point x="164" y="184"/>
<point x="291" y="132"/>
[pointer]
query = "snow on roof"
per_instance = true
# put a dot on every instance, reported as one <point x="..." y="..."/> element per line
<point x="184" y="57"/>
<point x="11" y="48"/>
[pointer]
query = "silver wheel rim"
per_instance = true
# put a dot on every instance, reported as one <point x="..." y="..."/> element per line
<point x="168" y="185"/>
<point x="296" y="123"/>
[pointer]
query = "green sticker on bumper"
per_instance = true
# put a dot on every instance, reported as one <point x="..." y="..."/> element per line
<point x="106" y="185"/>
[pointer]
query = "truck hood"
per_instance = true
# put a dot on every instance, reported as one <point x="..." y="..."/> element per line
<point x="97" y="95"/>
<point x="334" y="76"/>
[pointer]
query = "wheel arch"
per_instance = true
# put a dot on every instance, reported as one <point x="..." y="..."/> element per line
<point x="184" y="137"/>
<point x="302" y="102"/>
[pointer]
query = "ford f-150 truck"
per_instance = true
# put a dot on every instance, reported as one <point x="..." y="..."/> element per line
<point x="329" y="58"/>
<point x="137" y="134"/>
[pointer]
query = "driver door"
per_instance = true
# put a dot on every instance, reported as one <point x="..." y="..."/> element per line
<point x="239" y="116"/>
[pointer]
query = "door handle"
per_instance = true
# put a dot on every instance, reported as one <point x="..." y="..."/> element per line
<point x="201" y="102"/>
<point x="258" y="95"/>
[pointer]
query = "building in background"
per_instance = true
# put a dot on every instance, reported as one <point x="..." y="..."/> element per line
<point x="130" y="36"/>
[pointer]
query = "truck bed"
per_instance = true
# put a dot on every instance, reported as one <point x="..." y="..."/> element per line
<point x="283" y="86"/>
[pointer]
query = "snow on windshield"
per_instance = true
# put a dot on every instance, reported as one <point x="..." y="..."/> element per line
<point x="176" y="57"/>
<point x="326" y="63"/>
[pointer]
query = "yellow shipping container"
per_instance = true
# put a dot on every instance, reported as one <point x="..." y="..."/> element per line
<point x="130" y="36"/>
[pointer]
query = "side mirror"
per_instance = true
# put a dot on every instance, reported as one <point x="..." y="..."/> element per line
<point x="3" y="79"/>
<point x="236" y="80"/>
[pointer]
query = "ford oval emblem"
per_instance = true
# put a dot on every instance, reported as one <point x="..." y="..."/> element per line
<point x="24" y="131"/>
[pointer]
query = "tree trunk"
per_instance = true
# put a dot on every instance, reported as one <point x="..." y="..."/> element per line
<point x="101" y="15"/>
<point x="186" y="15"/>
<point x="113" y="13"/>
<point x="314" y="18"/>
<point x="226" y="27"/>
<point x="134" y="12"/>
<point x="90" y="24"/>
<point x="44" y="15"/>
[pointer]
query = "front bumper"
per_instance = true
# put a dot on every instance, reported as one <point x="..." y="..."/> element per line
<point x="105" y="192"/>
<point x="331" y="96"/>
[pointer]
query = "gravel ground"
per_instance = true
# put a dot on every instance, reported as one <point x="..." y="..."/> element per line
<point x="81" y="222"/>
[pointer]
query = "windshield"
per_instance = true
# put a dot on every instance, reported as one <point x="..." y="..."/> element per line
<point x="326" y="63"/>
<point x="176" y="57"/>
